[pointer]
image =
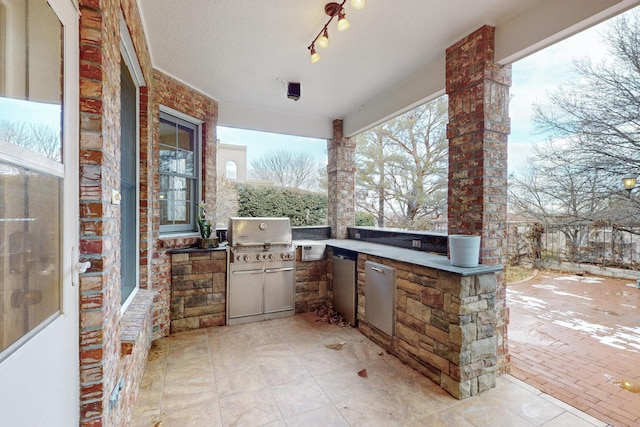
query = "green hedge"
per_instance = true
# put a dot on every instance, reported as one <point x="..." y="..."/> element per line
<point x="301" y="207"/>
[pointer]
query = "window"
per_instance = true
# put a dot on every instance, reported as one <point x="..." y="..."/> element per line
<point x="179" y="159"/>
<point x="231" y="170"/>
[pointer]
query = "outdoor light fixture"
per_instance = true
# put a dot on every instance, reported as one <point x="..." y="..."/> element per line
<point x="629" y="182"/>
<point x="332" y="9"/>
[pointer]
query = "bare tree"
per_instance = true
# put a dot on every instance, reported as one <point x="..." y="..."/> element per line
<point x="598" y="113"/>
<point x="41" y="139"/>
<point x="292" y="169"/>
<point x="402" y="167"/>
<point x="593" y="130"/>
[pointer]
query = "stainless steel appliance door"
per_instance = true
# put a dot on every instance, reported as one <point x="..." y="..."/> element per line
<point x="380" y="297"/>
<point x="245" y="291"/>
<point x="344" y="288"/>
<point x="279" y="287"/>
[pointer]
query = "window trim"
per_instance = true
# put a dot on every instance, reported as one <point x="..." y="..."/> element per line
<point x="128" y="55"/>
<point x="172" y="114"/>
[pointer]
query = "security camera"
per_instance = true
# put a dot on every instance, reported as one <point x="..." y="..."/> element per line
<point x="293" y="91"/>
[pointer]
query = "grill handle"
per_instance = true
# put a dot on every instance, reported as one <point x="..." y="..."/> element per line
<point x="276" y="270"/>
<point x="241" y="244"/>
<point x="248" y="272"/>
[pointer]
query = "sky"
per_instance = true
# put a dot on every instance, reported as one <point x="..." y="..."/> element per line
<point x="539" y="74"/>
<point x="532" y="79"/>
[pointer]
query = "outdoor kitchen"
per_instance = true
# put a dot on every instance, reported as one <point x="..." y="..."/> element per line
<point x="441" y="319"/>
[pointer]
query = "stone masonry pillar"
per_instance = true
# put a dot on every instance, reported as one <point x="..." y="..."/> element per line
<point x="478" y="129"/>
<point x="341" y="171"/>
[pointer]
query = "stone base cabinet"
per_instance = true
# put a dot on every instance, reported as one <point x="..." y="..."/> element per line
<point x="445" y="325"/>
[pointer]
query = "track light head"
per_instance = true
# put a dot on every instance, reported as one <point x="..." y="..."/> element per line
<point x="315" y="56"/>
<point x="323" y="40"/>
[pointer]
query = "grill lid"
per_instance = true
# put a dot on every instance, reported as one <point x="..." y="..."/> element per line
<point x="247" y="231"/>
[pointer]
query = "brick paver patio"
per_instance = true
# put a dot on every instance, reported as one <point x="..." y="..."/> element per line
<point x="577" y="338"/>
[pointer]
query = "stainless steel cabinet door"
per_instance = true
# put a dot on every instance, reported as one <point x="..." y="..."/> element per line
<point x="344" y="288"/>
<point x="245" y="292"/>
<point x="380" y="297"/>
<point x="279" y="287"/>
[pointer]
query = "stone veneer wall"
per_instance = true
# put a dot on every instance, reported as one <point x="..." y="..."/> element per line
<point x="444" y="325"/>
<point x="311" y="283"/>
<point x="199" y="290"/>
<point x="341" y="172"/>
<point x="478" y="130"/>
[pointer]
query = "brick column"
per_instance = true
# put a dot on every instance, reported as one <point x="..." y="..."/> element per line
<point x="478" y="128"/>
<point x="341" y="171"/>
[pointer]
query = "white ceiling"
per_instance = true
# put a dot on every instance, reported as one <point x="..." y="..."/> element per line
<point x="243" y="52"/>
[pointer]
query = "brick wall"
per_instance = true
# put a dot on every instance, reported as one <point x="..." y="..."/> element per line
<point x="478" y="129"/>
<point x="99" y="219"/>
<point x="112" y="346"/>
<point x="171" y="93"/>
<point x="341" y="172"/>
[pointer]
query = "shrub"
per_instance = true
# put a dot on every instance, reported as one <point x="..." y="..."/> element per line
<point x="301" y="207"/>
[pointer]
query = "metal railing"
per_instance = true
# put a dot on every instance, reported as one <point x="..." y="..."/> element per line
<point x="610" y="246"/>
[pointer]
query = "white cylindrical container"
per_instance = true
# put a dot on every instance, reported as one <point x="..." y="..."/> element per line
<point x="464" y="250"/>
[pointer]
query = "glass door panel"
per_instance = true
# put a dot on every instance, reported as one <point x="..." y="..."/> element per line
<point x="30" y="252"/>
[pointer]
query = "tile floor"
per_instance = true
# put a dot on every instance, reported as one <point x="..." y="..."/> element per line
<point x="281" y="373"/>
<point x="577" y="338"/>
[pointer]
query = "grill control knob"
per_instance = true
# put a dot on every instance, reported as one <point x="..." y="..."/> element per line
<point x="259" y="257"/>
<point x="270" y="256"/>
<point x="245" y="258"/>
<point x="239" y="258"/>
<point x="289" y="256"/>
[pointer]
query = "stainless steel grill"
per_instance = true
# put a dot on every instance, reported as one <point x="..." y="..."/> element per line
<point x="260" y="270"/>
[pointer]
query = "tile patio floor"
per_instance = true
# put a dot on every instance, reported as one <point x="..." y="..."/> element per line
<point x="280" y="373"/>
<point x="578" y="338"/>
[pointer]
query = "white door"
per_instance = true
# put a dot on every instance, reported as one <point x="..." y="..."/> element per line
<point x="39" y="360"/>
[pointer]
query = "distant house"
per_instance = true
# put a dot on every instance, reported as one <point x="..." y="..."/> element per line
<point x="232" y="162"/>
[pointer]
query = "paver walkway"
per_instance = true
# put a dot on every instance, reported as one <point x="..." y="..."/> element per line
<point x="577" y="338"/>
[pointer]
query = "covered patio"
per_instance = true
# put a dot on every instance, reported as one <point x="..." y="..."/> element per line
<point x="144" y="76"/>
<point x="231" y="64"/>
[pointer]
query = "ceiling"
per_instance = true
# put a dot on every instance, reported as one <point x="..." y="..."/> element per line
<point x="243" y="52"/>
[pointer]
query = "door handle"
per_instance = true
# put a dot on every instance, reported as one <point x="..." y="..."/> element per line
<point x="377" y="270"/>
<point x="276" y="270"/>
<point x="78" y="267"/>
<point x="82" y="267"/>
<point x="248" y="272"/>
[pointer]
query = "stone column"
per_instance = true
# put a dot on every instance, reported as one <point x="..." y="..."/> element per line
<point x="478" y="128"/>
<point x="341" y="171"/>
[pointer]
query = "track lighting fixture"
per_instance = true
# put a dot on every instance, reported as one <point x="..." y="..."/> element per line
<point x="332" y="9"/>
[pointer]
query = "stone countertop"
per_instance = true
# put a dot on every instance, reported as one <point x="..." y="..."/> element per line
<point x="424" y="259"/>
